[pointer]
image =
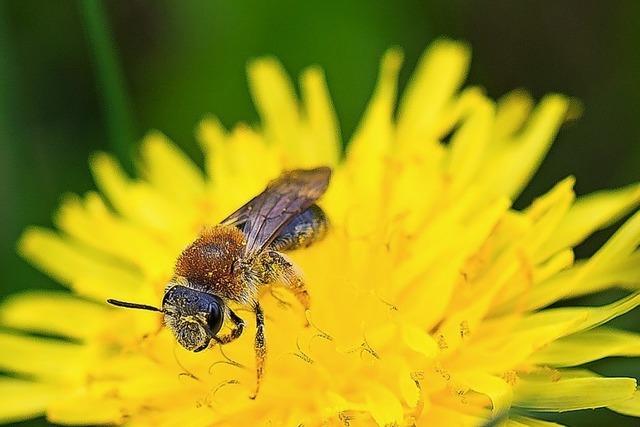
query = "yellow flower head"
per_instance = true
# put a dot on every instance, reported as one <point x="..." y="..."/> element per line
<point x="429" y="294"/>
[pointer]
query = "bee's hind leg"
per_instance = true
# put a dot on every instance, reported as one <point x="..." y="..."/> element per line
<point x="284" y="271"/>
<point x="260" y="348"/>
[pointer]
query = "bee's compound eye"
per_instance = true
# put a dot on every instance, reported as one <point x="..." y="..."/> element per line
<point x="215" y="317"/>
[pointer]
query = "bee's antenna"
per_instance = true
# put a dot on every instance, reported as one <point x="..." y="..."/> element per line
<point x="133" y="305"/>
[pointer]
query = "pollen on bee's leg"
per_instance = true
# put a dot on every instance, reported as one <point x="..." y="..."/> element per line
<point x="260" y="348"/>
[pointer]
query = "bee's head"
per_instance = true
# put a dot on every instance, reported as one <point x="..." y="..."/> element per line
<point x="193" y="316"/>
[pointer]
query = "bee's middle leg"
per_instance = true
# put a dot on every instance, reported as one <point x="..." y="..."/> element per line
<point x="235" y="333"/>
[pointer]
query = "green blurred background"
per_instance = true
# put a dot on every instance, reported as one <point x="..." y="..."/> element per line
<point x="176" y="61"/>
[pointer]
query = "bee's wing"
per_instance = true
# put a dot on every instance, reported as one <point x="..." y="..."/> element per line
<point x="239" y="218"/>
<point x="288" y="195"/>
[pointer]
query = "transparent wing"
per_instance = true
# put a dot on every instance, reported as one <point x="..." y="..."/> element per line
<point x="288" y="195"/>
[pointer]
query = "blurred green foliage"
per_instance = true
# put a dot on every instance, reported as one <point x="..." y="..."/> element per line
<point x="180" y="60"/>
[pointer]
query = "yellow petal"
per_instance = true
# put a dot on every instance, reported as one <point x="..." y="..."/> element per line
<point x="513" y="109"/>
<point x="168" y="169"/>
<point x="240" y="160"/>
<point x="508" y="171"/>
<point x="440" y="415"/>
<point x="411" y="391"/>
<point x="597" y="316"/>
<point x="212" y="136"/>
<point x="585" y="317"/>
<point x="384" y="406"/>
<point x="87" y="272"/>
<point x="370" y="144"/>
<point x="473" y="311"/>
<point x="591" y="213"/>
<point x="419" y="340"/>
<point x="378" y="115"/>
<point x="92" y="223"/>
<point x="591" y="275"/>
<point x="617" y="252"/>
<point x="82" y="409"/>
<point x="24" y="399"/>
<point x="137" y="200"/>
<point x="453" y="113"/>
<point x="439" y="73"/>
<point x="495" y="388"/>
<point x="504" y="343"/>
<point x="622" y="243"/>
<point x="275" y="100"/>
<point x="468" y="145"/>
<point x="588" y="346"/>
<point x="546" y="213"/>
<point x="532" y="422"/>
<point x="520" y="266"/>
<point x="548" y="394"/>
<point x="111" y="179"/>
<point x="321" y="117"/>
<point x="53" y="312"/>
<point x="556" y="263"/>
<point x="42" y="357"/>
<point x="623" y="272"/>
<point x="187" y="417"/>
<point x="629" y="407"/>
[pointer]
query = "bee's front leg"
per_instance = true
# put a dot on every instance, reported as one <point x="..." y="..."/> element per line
<point x="260" y="347"/>
<point x="238" y="327"/>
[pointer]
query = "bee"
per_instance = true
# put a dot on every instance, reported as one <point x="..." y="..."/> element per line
<point x="231" y="261"/>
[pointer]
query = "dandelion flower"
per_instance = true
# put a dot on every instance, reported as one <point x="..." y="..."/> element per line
<point x="430" y="296"/>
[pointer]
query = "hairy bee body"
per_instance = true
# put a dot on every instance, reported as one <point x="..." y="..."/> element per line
<point x="213" y="263"/>
<point x="210" y="264"/>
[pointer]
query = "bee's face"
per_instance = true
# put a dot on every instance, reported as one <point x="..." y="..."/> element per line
<point x="194" y="317"/>
<point x="191" y="335"/>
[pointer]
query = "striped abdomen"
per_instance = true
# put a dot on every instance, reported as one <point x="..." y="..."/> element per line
<point x="304" y="229"/>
